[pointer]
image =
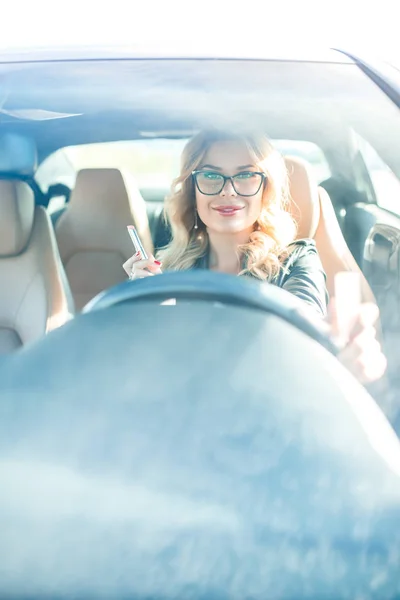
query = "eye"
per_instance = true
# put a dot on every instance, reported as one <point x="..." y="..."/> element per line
<point x="246" y="175"/>
<point x="211" y="176"/>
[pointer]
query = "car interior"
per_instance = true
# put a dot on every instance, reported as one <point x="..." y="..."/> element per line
<point x="90" y="203"/>
<point x="124" y="480"/>
<point x="90" y="227"/>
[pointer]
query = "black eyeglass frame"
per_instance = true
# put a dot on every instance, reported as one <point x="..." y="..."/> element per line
<point x="231" y="179"/>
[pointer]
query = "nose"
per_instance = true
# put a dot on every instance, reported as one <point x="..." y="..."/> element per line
<point x="228" y="189"/>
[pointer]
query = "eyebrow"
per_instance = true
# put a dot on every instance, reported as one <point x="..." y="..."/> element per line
<point x="242" y="168"/>
<point x="211" y="167"/>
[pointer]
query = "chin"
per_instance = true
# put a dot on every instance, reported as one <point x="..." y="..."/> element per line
<point x="229" y="228"/>
<point x="232" y="227"/>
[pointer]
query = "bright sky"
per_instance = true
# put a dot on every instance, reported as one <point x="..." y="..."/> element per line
<point x="322" y="23"/>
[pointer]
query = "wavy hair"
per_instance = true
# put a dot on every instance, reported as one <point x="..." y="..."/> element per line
<point x="275" y="229"/>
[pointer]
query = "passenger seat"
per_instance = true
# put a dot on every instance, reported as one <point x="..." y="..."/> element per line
<point x="35" y="296"/>
<point x="92" y="235"/>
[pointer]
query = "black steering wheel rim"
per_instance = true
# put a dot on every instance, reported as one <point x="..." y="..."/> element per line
<point x="216" y="287"/>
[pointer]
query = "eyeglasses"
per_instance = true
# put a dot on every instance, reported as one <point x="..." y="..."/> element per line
<point x="210" y="183"/>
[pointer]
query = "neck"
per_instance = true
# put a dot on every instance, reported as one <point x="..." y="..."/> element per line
<point x="224" y="255"/>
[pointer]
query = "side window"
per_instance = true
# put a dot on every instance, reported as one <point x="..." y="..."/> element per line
<point x="386" y="184"/>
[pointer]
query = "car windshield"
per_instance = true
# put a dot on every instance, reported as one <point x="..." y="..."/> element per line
<point x="227" y="443"/>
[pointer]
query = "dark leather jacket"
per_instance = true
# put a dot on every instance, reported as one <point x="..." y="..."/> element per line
<point x="301" y="274"/>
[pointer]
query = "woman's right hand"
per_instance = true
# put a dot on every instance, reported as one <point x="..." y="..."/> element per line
<point x="136" y="268"/>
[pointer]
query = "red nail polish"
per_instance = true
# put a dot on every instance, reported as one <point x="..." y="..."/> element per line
<point x="137" y="253"/>
<point x="157" y="262"/>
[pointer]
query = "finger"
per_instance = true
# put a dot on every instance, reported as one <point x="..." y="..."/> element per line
<point x="136" y="262"/>
<point x="364" y="358"/>
<point x="149" y="263"/>
<point x="366" y="340"/>
<point x="367" y="317"/>
<point x="350" y="358"/>
<point x="140" y="273"/>
<point x="150" y="257"/>
<point x="127" y="266"/>
<point x="365" y="347"/>
<point x="155" y="268"/>
<point x="375" y="370"/>
<point x="367" y="370"/>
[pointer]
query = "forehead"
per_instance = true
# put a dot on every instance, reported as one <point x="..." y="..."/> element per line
<point x="228" y="155"/>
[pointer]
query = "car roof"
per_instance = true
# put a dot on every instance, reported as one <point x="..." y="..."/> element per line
<point x="173" y="50"/>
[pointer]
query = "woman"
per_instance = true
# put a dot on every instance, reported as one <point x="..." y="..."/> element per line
<point x="229" y="212"/>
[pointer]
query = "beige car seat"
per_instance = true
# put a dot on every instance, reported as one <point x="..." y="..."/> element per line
<point x="313" y="211"/>
<point x="92" y="235"/>
<point x="34" y="292"/>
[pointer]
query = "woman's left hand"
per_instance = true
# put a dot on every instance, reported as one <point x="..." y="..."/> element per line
<point x="362" y="355"/>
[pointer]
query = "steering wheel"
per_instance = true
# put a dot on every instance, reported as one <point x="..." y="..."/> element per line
<point x="216" y="287"/>
<point x="200" y="431"/>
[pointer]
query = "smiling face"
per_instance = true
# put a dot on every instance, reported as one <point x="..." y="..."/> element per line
<point x="232" y="209"/>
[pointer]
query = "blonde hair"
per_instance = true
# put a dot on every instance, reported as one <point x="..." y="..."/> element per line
<point x="275" y="228"/>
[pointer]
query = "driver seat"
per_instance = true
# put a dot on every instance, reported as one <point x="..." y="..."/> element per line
<point x="313" y="211"/>
<point x="92" y="235"/>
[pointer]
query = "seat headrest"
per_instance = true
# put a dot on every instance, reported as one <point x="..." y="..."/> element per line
<point x="103" y="202"/>
<point x="17" y="207"/>
<point x="304" y="193"/>
<point x="103" y="190"/>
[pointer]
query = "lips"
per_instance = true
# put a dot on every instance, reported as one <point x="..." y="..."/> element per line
<point x="227" y="210"/>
